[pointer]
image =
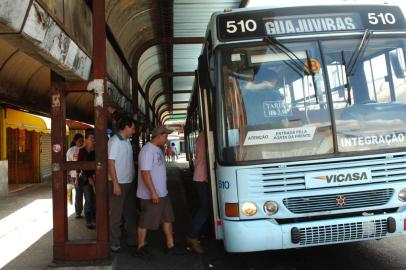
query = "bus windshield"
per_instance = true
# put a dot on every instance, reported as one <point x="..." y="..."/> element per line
<point x="272" y="107"/>
<point x="275" y="105"/>
<point x="369" y="102"/>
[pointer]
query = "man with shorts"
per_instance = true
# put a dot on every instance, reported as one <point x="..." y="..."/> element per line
<point x="156" y="207"/>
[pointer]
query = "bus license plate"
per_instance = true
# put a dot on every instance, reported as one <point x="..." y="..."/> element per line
<point x="368" y="228"/>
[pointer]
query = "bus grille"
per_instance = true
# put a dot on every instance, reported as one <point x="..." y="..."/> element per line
<point x="290" y="176"/>
<point x="309" y="204"/>
<point x="343" y="232"/>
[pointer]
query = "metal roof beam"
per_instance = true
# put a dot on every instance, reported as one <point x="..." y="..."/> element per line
<point x="175" y="102"/>
<point x="167" y="41"/>
<point x="112" y="39"/>
<point x="168" y="93"/>
<point x="153" y="42"/>
<point x="139" y="88"/>
<point x="168" y="110"/>
<point x="165" y="74"/>
<point x="167" y="118"/>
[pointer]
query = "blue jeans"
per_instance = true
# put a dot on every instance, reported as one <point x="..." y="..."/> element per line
<point x="78" y="200"/>
<point x="203" y="213"/>
<point x="90" y="203"/>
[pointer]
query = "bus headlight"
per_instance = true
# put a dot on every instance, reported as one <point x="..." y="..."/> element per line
<point x="270" y="207"/>
<point x="402" y="195"/>
<point x="249" y="209"/>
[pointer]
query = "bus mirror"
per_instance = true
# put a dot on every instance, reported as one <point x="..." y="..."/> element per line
<point x="203" y="72"/>
<point x="211" y="72"/>
<point x="398" y="69"/>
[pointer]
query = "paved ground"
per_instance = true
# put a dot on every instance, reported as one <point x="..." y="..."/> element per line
<point x="177" y="174"/>
<point x="38" y="253"/>
<point x="384" y="254"/>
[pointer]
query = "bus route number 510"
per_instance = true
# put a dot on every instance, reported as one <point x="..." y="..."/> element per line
<point x="383" y="18"/>
<point x="224" y="184"/>
<point x="242" y="26"/>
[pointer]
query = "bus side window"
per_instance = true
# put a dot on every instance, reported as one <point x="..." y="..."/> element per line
<point x="235" y="114"/>
<point x="235" y="105"/>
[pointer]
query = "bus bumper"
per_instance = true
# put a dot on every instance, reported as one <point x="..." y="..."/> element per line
<point x="266" y="234"/>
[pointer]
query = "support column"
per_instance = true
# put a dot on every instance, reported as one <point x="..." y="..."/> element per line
<point x="135" y="109"/>
<point x="58" y="116"/>
<point x="65" y="250"/>
<point x="100" y="117"/>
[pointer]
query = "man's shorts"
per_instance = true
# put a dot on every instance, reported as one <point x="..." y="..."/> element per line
<point x="152" y="215"/>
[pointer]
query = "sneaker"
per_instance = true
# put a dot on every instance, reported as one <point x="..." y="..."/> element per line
<point x="175" y="251"/>
<point x="143" y="253"/>
<point x="78" y="216"/>
<point x="115" y="248"/>
<point x="195" y="245"/>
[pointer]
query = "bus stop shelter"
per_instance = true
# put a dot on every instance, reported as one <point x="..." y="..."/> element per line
<point x="89" y="60"/>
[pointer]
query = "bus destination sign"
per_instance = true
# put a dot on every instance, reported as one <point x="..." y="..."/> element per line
<point x="309" y="24"/>
<point x="304" y="20"/>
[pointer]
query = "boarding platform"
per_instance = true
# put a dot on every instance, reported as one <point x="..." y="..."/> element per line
<point x="26" y="229"/>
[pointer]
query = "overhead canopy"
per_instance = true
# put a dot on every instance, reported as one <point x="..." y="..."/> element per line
<point x="165" y="46"/>
<point x="152" y="52"/>
<point x="22" y="120"/>
<point x="76" y="125"/>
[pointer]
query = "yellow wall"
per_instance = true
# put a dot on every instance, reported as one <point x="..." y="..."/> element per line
<point x="17" y="119"/>
<point x="21" y="120"/>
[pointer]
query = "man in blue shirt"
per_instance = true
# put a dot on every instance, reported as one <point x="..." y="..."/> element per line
<point x="122" y="187"/>
<point x="156" y="207"/>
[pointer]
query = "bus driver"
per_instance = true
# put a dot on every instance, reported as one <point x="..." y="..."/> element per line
<point x="264" y="103"/>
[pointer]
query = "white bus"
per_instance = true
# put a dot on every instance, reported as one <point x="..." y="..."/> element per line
<point x="304" y="111"/>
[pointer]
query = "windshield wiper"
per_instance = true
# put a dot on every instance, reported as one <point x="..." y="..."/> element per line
<point x="353" y="64"/>
<point x="358" y="53"/>
<point x="347" y="82"/>
<point x="296" y="64"/>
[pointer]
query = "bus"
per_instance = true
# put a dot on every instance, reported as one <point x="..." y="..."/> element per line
<point x="304" y="114"/>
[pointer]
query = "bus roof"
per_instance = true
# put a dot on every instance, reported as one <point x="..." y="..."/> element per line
<point x="314" y="3"/>
<point x="288" y="19"/>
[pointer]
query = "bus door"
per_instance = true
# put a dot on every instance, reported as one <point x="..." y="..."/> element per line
<point x="205" y="112"/>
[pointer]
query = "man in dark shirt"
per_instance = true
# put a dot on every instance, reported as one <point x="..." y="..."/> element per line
<point x="87" y="178"/>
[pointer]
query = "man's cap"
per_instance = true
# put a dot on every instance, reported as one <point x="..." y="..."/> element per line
<point x="161" y="130"/>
